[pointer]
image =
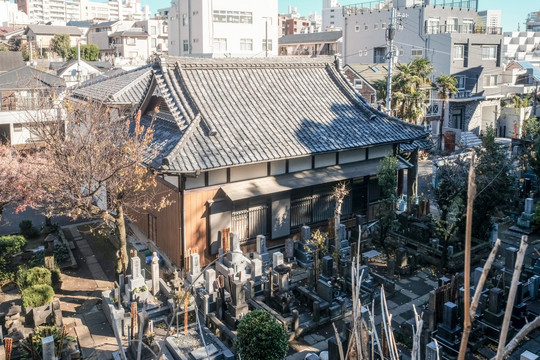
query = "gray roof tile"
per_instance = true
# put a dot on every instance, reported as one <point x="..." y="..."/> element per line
<point x="259" y="109"/>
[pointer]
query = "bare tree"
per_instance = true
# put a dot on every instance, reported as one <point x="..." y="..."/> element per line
<point x="94" y="164"/>
<point x="338" y="193"/>
<point x="18" y="173"/>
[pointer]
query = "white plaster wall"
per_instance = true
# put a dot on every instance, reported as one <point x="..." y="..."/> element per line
<point x="300" y="164"/>
<point x="248" y="172"/>
<point x="325" y="160"/>
<point x="197" y="182"/>
<point x="173" y="180"/>
<point x="380" y="151"/>
<point x="350" y="156"/>
<point x="278" y="167"/>
<point x="217" y="177"/>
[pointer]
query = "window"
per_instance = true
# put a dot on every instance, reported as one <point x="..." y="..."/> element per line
<point x="417" y="52"/>
<point x="489" y="52"/>
<point x="358" y="83"/>
<point x="153" y="30"/>
<point x="460" y="82"/>
<point x="186" y="45"/>
<point x="457" y="118"/>
<point x="459" y="52"/>
<point x="433" y="26"/>
<point x="234" y="17"/>
<point x="153" y="42"/>
<point x="220" y="44"/>
<point x="357" y="28"/>
<point x="452" y="25"/>
<point x="184" y="19"/>
<point x="17" y="127"/>
<point x="269" y="44"/>
<point x="383" y="26"/>
<point x="375" y="26"/>
<point x="468" y="25"/>
<point x="131" y="41"/>
<point x="491" y="80"/>
<point x="360" y="53"/>
<point x="246" y="44"/>
<point x="366" y="27"/>
<point x="379" y="55"/>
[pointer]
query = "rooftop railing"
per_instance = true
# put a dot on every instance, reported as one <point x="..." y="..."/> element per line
<point x="463" y="29"/>
<point x="387" y="4"/>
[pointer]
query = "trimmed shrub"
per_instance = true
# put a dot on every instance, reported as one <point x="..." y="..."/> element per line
<point x="9" y="246"/>
<point x="27" y="230"/>
<point x="34" y="276"/>
<point x="37" y="295"/>
<point x="261" y="337"/>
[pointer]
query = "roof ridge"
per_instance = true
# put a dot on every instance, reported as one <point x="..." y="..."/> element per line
<point x="98" y="80"/>
<point x="192" y="125"/>
<point x="136" y="81"/>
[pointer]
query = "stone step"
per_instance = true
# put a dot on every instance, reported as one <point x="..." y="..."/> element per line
<point x="86" y="342"/>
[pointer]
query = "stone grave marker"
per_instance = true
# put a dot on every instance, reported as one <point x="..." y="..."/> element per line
<point x="48" y="348"/>
<point x="155" y="274"/>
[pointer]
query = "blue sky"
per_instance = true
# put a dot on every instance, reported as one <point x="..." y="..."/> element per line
<point x="513" y="12"/>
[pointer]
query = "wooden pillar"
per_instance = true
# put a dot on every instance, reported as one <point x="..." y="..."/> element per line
<point x="400" y="178"/>
<point x="412" y="179"/>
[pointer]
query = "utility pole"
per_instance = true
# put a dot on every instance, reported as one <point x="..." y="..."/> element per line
<point x="390" y="32"/>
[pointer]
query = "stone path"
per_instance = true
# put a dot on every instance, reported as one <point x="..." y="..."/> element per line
<point x="81" y="304"/>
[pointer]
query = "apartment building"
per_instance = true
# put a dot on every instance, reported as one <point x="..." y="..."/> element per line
<point x="62" y="11"/>
<point x="522" y="46"/>
<point x="332" y="15"/>
<point x="11" y="15"/>
<point x="533" y="21"/>
<point x="130" y="39"/>
<point x="450" y="36"/>
<point x="223" y="28"/>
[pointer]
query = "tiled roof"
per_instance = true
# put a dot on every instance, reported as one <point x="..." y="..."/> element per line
<point x="138" y="32"/>
<point x="371" y="72"/>
<point x="324" y="36"/>
<point x="80" y="23"/>
<point x="10" y="60"/>
<point x="126" y="88"/>
<point x="104" y="24"/>
<point x="239" y="111"/>
<point x="53" y="30"/>
<point x="27" y="77"/>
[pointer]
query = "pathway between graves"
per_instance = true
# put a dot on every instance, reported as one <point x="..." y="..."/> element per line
<point x="80" y="300"/>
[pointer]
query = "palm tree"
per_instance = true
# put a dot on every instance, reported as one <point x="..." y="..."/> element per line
<point x="445" y="85"/>
<point x="410" y="88"/>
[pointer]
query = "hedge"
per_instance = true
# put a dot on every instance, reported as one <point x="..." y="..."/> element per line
<point x="37" y="295"/>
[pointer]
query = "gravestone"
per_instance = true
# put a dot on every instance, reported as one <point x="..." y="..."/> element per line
<point x="342" y="232"/>
<point x="155" y="274"/>
<point x="305" y="233"/>
<point x="327" y="266"/>
<point x="510" y="254"/>
<point x="529" y="206"/>
<point x="235" y="243"/>
<point x="477" y="275"/>
<point x="527" y="355"/>
<point x="210" y="279"/>
<point x="495" y="300"/>
<point x="262" y="251"/>
<point x="48" y="348"/>
<point x="256" y="269"/>
<point x="432" y="351"/>
<point x="450" y="315"/>
<point x="450" y="250"/>
<point x="494" y="234"/>
<point x="277" y="259"/>
<point x="534" y="285"/>
<point x="195" y="264"/>
<point x="135" y="267"/>
<point x="303" y="249"/>
<point x="289" y="249"/>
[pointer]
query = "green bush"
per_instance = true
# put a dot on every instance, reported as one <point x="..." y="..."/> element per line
<point x="61" y="253"/>
<point x="9" y="246"/>
<point x="261" y="337"/>
<point x="37" y="295"/>
<point x="34" y="276"/>
<point x="27" y="230"/>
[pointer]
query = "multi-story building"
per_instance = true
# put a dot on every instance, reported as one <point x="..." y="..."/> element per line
<point x="130" y="39"/>
<point x="236" y="28"/>
<point x="522" y="46"/>
<point x="24" y="92"/>
<point x="314" y="44"/>
<point x="332" y="15"/>
<point x="491" y="18"/>
<point x="533" y="21"/>
<point x="163" y="13"/>
<point x="11" y="15"/>
<point x="450" y="37"/>
<point x="62" y="11"/>
<point x="42" y="35"/>
<point x="292" y="23"/>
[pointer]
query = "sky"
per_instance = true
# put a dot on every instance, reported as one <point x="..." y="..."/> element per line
<point x="513" y="11"/>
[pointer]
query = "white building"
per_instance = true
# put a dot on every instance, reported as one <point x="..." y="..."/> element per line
<point x="62" y="11"/>
<point x="522" y="46"/>
<point x="332" y="15"/>
<point x="223" y="28"/>
<point x="10" y="14"/>
<point x="491" y="18"/>
<point x="533" y="21"/>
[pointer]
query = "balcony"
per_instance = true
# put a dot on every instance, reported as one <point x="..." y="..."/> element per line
<point x="463" y="29"/>
<point x="462" y="94"/>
